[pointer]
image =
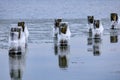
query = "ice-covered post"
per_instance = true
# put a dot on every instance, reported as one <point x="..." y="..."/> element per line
<point x="114" y="17"/>
<point x="22" y="24"/>
<point x="57" y="22"/>
<point x="63" y="28"/>
<point x="90" y="19"/>
<point x="96" y="24"/>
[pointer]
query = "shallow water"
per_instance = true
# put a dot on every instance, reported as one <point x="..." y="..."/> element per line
<point x="46" y="61"/>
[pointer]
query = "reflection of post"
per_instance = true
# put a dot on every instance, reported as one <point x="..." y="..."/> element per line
<point x="63" y="56"/>
<point x="90" y="39"/>
<point x="113" y="36"/>
<point x="62" y="49"/>
<point x="55" y="46"/>
<point x="89" y="42"/>
<point x="97" y="45"/>
<point x="17" y="64"/>
<point x="63" y="61"/>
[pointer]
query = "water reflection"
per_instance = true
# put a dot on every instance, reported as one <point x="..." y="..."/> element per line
<point x="113" y="35"/>
<point x="94" y="44"/>
<point x="90" y="41"/>
<point x="55" y="45"/>
<point x="62" y="50"/>
<point x="63" y="55"/>
<point x="97" y="45"/>
<point x="17" y="64"/>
